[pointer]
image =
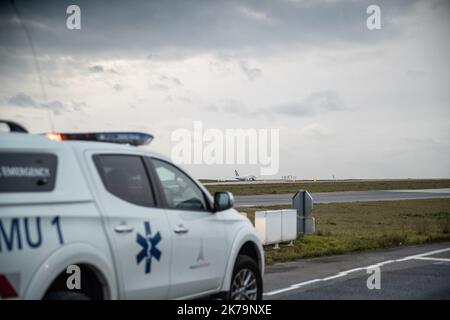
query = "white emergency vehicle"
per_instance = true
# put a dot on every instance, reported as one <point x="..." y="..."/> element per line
<point x="125" y="219"/>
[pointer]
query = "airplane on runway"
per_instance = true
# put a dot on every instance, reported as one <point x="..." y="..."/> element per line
<point x="248" y="177"/>
<point x="237" y="177"/>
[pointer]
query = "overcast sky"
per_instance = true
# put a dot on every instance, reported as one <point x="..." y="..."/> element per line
<point x="348" y="101"/>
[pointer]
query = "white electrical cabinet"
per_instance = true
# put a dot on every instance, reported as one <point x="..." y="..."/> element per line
<point x="275" y="226"/>
<point x="288" y="225"/>
<point x="268" y="226"/>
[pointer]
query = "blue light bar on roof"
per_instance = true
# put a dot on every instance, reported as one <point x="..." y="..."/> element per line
<point x="132" y="138"/>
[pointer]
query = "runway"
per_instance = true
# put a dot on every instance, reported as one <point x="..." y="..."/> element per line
<point x="348" y="196"/>
<point x="416" y="272"/>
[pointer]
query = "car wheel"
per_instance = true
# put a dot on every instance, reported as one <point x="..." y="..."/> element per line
<point x="66" y="295"/>
<point x="246" y="282"/>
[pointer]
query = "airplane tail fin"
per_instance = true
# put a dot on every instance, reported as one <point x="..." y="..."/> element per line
<point x="237" y="174"/>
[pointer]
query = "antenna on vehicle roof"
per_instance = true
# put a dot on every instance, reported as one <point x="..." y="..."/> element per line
<point x="36" y="62"/>
<point x="14" y="126"/>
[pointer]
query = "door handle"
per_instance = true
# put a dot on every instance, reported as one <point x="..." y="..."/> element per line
<point x="181" y="230"/>
<point x="123" y="228"/>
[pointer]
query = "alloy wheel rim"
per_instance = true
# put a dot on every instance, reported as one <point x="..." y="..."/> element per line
<point x="244" y="286"/>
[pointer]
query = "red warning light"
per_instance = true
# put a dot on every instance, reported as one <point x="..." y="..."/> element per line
<point x="6" y="288"/>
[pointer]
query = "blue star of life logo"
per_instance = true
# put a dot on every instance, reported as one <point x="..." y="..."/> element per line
<point x="149" y="249"/>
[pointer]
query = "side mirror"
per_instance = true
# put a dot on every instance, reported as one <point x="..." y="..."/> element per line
<point x="223" y="201"/>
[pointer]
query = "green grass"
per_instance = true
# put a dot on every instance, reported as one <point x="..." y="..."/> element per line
<point x="327" y="186"/>
<point x="207" y="180"/>
<point x="349" y="227"/>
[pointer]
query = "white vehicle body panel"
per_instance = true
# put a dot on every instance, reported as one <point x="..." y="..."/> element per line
<point x="198" y="257"/>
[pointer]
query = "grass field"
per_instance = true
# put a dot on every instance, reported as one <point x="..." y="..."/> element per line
<point x="327" y="186"/>
<point x="348" y="227"/>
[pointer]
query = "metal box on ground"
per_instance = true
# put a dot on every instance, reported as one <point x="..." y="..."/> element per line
<point x="275" y="226"/>
<point x="268" y="226"/>
<point x="288" y="224"/>
<point x="307" y="225"/>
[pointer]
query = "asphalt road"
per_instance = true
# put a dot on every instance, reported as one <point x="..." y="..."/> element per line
<point x="348" y="196"/>
<point x="417" y="272"/>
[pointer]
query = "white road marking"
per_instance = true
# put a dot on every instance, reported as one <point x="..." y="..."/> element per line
<point x="441" y="190"/>
<point x="430" y="253"/>
<point x="422" y="256"/>
<point x="433" y="259"/>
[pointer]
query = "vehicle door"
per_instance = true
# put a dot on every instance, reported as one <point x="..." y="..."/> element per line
<point x="199" y="243"/>
<point x="137" y="228"/>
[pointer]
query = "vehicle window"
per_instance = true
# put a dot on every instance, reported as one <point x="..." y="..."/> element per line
<point x="180" y="191"/>
<point x="27" y="172"/>
<point x="126" y="177"/>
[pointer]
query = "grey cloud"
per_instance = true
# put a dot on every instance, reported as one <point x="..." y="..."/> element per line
<point x="414" y="73"/>
<point x="324" y="101"/>
<point x="226" y="62"/>
<point x="315" y="131"/>
<point x="23" y="100"/>
<point x="117" y="87"/>
<point x="101" y="69"/>
<point x="115" y="27"/>
<point x="230" y="106"/>
<point x="78" y="106"/>
<point x="293" y="109"/>
<point x="185" y="99"/>
<point x="211" y="107"/>
<point x="172" y="80"/>
<point x="96" y="69"/>
<point x="153" y="57"/>
<point x="159" y="86"/>
<point x="165" y="83"/>
<point x="56" y="106"/>
<point x="251" y="72"/>
<point x="56" y="84"/>
<point x="254" y="14"/>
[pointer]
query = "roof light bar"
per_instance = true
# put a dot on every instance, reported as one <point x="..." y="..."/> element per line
<point x="132" y="138"/>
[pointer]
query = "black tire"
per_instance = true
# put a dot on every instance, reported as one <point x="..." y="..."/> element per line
<point x="246" y="263"/>
<point x="66" y="295"/>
